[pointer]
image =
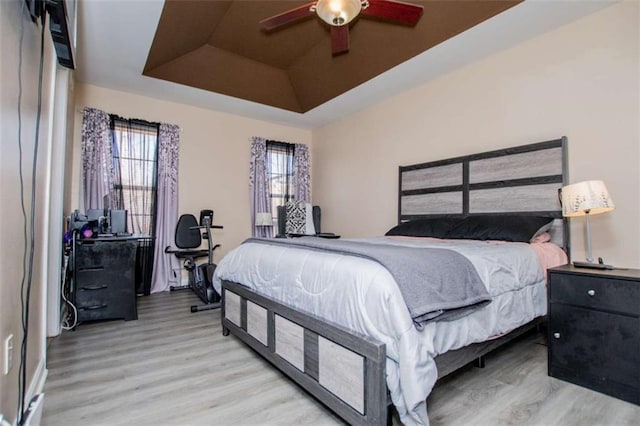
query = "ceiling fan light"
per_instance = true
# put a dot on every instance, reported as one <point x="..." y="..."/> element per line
<point x="338" y="12"/>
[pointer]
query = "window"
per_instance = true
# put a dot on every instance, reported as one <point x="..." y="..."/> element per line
<point x="135" y="152"/>
<point x="279" y="165"/>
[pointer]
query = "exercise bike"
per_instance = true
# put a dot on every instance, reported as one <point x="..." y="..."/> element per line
<point x="188" y="239"/>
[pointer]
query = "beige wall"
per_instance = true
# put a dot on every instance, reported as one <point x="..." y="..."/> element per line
<point x="12" y="224"/>
<point x="581" y="80"/>
<point x="214" y="155"/>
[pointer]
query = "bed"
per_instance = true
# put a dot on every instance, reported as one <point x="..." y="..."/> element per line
<point x="339" y="325"/>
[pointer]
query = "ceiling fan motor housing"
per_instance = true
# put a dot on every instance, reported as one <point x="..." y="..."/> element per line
<point x="338" y="12"/>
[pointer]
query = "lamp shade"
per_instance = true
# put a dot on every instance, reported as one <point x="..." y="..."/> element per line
<point x="264" y="219"/>
<point x="338" y="12"/>
<point x="589" y="197"/>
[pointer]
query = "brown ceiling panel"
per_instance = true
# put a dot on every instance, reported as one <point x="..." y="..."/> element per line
<point x="240" y="33"/>
<point x="318" y="77"/>
<point x="220" y="71"/>
<point x="218" y="46"/>
<point x="184" y="26"/>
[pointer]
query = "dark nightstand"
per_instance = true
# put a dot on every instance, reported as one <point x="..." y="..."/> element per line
<point x="594" y="329"/>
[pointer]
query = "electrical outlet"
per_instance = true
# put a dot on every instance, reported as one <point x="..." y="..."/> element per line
<point x="8" y="354"/>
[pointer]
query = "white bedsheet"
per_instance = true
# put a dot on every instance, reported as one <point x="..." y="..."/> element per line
<point x="361" y="295"/>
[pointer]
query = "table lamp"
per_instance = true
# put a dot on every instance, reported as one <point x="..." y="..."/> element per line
<point x="586" y="199"/>
<point x="264" y="219"/>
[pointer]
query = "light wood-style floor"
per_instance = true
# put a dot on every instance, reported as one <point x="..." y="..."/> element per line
<point x="172" y="367"/>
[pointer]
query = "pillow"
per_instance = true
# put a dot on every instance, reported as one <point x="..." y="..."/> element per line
<point x="436" y="227"/>
<point x="310" y="229"/>
<point x="545" y="237"/>
<point x="484" y="227"/>
<point x="299" y="218"/>
<point x="501" y="227"/>
<point x="544" y="229"/>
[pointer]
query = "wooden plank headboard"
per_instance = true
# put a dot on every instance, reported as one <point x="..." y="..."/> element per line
<point x="519" y="180"/>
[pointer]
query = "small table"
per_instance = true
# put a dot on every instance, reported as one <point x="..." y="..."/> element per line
<point x="594" y="329"/>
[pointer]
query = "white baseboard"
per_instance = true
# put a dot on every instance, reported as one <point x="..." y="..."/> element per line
<point x="37" y="383"/>
<point x="35" y="387"/>
<point x="33" y="415"/>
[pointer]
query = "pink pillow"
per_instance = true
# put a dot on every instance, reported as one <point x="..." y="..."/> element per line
<point x="545" y="237"/>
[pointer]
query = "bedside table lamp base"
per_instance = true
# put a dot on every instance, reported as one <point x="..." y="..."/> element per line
<point x="592" y="265"/>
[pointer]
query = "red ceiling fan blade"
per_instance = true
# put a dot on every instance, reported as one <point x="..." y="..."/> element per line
<point x="402" y="13"/>
<point x="287" y="17"/>
<point x="339" y="39"/>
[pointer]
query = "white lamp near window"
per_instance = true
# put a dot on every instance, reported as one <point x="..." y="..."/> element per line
<point x="586" y="199"/>
<point x="264" y="219"/>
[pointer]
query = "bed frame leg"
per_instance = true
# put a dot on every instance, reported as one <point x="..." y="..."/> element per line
<point x="479" y="362"/>
<point x="390" y="415"/>
<point x="225" y="331"/>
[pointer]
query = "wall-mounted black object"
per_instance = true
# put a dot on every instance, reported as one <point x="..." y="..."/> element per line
<point x="35" y="8"/>
<point x="60" y="32"/>
<point x="58" y="25"/>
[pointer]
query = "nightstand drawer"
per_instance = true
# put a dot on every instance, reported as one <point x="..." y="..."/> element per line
<point x="595" y="292"/>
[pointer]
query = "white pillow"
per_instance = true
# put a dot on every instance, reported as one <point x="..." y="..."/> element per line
<point x="309" y="228"/>
<point x="299" y="218"/>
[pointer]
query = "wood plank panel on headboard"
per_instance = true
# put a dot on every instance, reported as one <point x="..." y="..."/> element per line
<point x="519" y="180"/>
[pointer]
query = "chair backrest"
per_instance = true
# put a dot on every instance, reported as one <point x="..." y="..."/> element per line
<point x="187" y="238"/>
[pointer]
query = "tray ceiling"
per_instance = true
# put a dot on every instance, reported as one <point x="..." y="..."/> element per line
<point x="114" y="42"/>
<point x="218" y="46"/>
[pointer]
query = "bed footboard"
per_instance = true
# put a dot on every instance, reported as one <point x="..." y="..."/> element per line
<point x="342" y="369"/>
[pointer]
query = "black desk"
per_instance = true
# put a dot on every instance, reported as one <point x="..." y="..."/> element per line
<point x="104" y="285"/>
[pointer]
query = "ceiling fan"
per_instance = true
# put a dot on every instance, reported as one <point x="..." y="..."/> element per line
<point x="338" y="14"/>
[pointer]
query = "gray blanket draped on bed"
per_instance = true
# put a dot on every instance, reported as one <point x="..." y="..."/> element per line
<point x="435" y="283"/>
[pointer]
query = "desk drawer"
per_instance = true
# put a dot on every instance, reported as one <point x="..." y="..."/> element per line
<point x="94" y="295"/>
<point x="601" y="293"/>
<point x="95" y="254"/>
<point x="93" y="279"/>
<point x="105" y="302"/>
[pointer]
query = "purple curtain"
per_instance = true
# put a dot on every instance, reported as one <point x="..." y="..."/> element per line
<point x="260" y="202"/>
<point x="97" y="158"/>
<point x="301" y="173"/>
<point x="166" y="268"/>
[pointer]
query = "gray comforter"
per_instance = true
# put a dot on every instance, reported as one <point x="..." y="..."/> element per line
<point x="435" y="283"/>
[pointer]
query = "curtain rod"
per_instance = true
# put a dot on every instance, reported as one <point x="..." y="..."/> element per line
<point x="135" y="120"/>
<point x="283" y="144"/>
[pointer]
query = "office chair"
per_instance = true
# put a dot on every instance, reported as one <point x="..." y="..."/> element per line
<point x="188" y="239"/>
